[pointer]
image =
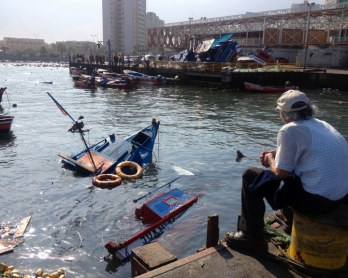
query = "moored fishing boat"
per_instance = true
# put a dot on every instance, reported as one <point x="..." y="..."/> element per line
<point x="145" y="79"/>
<point x="268" y="89"/>
<point x="103" y="156"/>
<point x="88" y="83"/>
<point x="122" y="82"/>
<point x="117" y="84"/>
<point x="157" y="213"/>
<point x="5" y="123"/>
<point x="111" y="76"/>
<point x="76" y="71"/>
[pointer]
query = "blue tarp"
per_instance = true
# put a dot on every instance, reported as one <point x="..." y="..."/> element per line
<point x="221" y="39"/>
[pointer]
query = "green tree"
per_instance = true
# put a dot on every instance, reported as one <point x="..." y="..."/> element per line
<point x="61" y="48"/>
<point x="134" y="52"/>
<point x="43" y="51"/>
<point x="53" y="47"/>
<point x="4" y="48"/>
<point x="29" y="51"/>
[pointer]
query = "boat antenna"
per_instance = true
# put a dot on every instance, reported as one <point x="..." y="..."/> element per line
<point x="76" y="126"/>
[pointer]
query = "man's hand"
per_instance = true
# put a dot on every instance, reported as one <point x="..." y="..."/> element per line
<point x="264" y="159"/>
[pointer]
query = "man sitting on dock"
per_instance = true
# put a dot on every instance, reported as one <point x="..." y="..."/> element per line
<point x="308" y="172"/>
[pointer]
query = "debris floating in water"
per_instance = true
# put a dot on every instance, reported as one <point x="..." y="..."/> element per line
<point x="10" y="271"/>
<point x="239" y="156"/>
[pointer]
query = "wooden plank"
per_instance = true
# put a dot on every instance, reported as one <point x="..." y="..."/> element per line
<point x="82" y="165"/>
<point x="22" y="226"/>
<point x="5" y="249"/>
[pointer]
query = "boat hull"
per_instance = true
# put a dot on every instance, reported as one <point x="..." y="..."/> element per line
<point x="145" y="79"/>
<point x="5" y="123"/>
<point x="84" y="84"/>
<point x="267" y="89"/>
<point x="117" y="85"/>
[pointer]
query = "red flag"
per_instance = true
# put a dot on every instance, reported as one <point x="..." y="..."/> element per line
<point x="59" y="106"/>
<point x="62" y="109"/>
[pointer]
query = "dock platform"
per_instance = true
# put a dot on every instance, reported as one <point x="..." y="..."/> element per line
<point x="221" y="261"/>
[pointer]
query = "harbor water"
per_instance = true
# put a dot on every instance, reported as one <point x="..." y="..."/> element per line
<point x="200" y="131"/>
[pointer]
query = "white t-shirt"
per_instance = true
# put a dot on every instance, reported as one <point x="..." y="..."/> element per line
<point x="318" y="154"/>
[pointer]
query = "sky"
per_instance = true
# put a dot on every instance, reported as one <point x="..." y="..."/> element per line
<point x="68" y="20"/>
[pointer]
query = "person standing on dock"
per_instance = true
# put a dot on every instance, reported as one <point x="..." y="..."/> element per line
<point x="128" y="60"/>
<point x="116" y="59"/>
<point x="307" y="172"/>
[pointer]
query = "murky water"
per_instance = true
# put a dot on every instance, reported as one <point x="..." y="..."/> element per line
<point x="72" y="220"/>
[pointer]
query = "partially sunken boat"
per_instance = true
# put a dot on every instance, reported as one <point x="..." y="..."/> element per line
<point x="157" y="213"/>
<point x="103" y="156"/>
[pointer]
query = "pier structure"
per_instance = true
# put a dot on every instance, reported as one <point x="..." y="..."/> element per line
<point x="327" y="26"/>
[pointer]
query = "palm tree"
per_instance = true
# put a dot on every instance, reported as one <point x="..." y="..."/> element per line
<point x="4" y="48"/>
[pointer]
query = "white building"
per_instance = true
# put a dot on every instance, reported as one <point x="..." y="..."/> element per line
<point x="14" y="45"/>
<point x="304" y="6"/>
<point x="124" y="24"/>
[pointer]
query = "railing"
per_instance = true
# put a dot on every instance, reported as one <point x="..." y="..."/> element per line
<point x="258" y="14"/>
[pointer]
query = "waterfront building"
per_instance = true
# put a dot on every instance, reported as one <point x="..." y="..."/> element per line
<point x="124" y="24"/>
<point x="15" y="45"/>
<point x="80" y="47"/>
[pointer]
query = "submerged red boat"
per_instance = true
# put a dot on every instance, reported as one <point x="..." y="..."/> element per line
<point x="269" y="89"/>
<point x="5" y="123"/>
<point x="158" y="213"/>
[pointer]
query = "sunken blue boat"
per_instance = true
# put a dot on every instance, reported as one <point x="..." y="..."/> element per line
<point x="103" y="156"/>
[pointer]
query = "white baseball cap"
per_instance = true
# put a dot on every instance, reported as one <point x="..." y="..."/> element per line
<point x="289" y="98"/>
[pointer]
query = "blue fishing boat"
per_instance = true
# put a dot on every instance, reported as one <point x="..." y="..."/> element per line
<point x="100" y="159"/>
<point x="145" y="79"/>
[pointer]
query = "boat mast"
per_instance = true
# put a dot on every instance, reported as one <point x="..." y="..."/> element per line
<point x="77" y="126"/>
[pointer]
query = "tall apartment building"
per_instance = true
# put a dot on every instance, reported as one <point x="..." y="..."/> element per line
<point x="124" y="24"/>
<point x="153" y="21"/>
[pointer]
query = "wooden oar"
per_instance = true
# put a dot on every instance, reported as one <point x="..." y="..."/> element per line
<point x="78" y="163"/>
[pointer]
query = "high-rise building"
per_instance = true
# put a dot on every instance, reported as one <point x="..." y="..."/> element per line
<point x="124" y="24"/>
<point x="153" y="21"/>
